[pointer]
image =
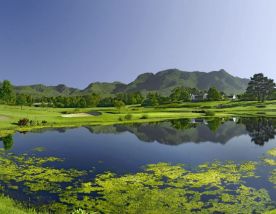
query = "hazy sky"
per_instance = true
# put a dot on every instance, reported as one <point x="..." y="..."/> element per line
<point x="81" y="41"/>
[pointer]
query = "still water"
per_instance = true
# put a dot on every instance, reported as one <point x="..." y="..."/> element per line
<point x="80" y="154"/>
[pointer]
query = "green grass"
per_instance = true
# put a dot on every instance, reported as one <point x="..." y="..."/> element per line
<point x="9" y="206"/>
<point x="9" y="115"/>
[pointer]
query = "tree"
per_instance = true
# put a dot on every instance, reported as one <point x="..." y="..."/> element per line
<point x="260" y="87"/>
<point x="214" y="94"/>
<point x="106" y="102"/>
<point x="81" y="103"/>
<point x="180" y="94"/>
<point x="7" y="94"/>
<point x="151" y="100"/>
<point x="21" y="100"/>
<point x="119" y="104"/>
<point x="92" y="100"/>
<point x="30" y="100"/>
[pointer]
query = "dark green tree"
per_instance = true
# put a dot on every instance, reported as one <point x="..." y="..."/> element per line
<point x="180" y="94"/>
<point x="81" y="102"/>
<point x="7" y="94"/>
<point x="119" y="104"/>
<point x="92" y="100"/>
<point x="214" y="94"/>
<point x="106" y="102"/>
<point x="260" y="87"/>
<point x="21" y="99"/>
<point x="151" y="100"/>
<point x="30" y="100"/>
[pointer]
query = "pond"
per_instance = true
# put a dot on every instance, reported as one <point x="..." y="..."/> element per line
<point x="221" y="165"/>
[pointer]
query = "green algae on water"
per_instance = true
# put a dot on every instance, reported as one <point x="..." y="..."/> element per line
<point x="32" y="172"/>
<point x="165" y="188"/>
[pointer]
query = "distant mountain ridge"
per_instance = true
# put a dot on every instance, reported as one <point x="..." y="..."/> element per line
<point x="162" y="82"/>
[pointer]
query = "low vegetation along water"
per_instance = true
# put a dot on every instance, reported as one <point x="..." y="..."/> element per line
<point x="178" y="166"/>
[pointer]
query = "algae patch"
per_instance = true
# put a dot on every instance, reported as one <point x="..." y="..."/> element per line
<point x="165" y="188"/>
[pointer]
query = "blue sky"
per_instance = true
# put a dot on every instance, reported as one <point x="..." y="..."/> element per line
<point x="81" y="41"/>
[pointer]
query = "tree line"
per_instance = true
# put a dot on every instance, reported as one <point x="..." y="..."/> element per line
<point x="259" y="88"/>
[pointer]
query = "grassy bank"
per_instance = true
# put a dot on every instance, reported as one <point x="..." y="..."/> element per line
<point x="9" y="115"/>
<point x="9" y="206"/>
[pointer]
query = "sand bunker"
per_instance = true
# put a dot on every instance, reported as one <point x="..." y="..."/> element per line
<point x="3" y="117"/>
<point x="76" y="115"/>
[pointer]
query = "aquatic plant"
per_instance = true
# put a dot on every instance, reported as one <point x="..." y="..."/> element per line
<point x="32" y="172"/>
<point x="39" y="149"/>
<point x="269" y="162"/>
<point x="272" y="152"/>
<point x="214" y="187"/>
<point x="165" y="188"/>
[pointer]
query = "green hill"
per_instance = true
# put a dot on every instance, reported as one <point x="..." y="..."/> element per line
<point x="165" y="81"/>
<point x="162" y="82"/>
<point x="47" y="91"/>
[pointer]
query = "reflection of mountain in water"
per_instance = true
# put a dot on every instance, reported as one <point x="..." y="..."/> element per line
<point x="175" y="132"/>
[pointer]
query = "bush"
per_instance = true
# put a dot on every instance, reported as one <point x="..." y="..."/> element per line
<point x="23" y="122"/>
<point x="261" y="113"/>
<point x="261" y="106"/>
<point x="44" y="122"/>
<point x="128" y="117"/>
<point x="32" y="123"/>
<point x="145" y="116"/>
<point x="209" y="113"/>
<point x="199" y="111"/>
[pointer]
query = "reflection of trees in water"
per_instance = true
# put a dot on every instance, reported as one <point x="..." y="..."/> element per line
<point x="7" y="142"/>
<point x="182" y="124"/>
<point x="214" y="123"/>
<point x="260" y="130"/>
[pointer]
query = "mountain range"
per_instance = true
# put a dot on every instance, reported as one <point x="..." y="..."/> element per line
<point x="162" y="82"/>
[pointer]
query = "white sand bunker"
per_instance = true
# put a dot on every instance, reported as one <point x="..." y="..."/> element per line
<point x="4" y="117"/>
<point x="76" y="115"/>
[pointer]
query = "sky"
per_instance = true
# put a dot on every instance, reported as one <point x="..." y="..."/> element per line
<point x="77" y="42"/>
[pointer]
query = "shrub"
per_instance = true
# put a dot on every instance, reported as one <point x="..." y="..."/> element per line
<point x="23" y="122"/>
<point x="261" y="106"/>
<point x="261" y="113"/>
<point x="32" y="123"/>
<point x="128" y="117"/>
<point x="199" y="111"/>
<point x="210" y="113"/>
<point x="144" y="116"/>
<point x="44" y="122"/>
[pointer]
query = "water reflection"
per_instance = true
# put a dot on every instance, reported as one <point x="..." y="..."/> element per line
<point x="216" y="130"/>
<point x="175" y="132"/>
<point x="260" y="130"/>
<point x="7" y="142"/>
